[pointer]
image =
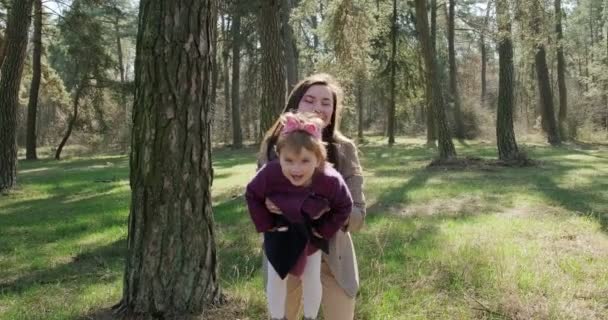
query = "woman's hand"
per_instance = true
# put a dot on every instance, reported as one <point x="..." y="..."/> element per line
<point x="272" y="207"/>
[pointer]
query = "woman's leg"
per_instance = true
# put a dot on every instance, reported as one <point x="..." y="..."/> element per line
<point x="293" y="305"/>
<point x="337" y="305"/>
<point x="311" y="286"/>
<point x="276" y="291"/>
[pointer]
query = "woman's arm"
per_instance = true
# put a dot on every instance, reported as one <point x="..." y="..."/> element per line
<point x="351" y="171"/>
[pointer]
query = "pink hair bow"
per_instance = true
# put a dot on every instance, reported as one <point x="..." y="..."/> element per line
<point x="291" y="123"/>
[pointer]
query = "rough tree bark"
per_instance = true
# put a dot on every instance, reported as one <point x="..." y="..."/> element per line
<point x="273" y="63"/>
<point x="505" y="136"/>
<point x="561" y="72"/>
<point x="12" y="69"/>
<point x="171" y="267"/>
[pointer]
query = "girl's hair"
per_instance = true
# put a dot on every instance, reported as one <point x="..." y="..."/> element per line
<point x="330" y="133"/>
<point x="299" y="137"/>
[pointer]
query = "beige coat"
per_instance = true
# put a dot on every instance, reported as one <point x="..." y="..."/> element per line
<point x="342" y="260"/>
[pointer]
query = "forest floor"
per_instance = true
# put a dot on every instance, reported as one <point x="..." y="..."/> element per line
<point x="480" y="242"/>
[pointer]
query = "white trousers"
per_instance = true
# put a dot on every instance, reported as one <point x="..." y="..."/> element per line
<point x="312" y="291"/>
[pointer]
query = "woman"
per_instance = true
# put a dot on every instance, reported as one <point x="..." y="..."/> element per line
<point x="320" y="94"/>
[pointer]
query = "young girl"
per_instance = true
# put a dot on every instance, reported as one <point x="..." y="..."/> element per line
<point x="315" y="203"/>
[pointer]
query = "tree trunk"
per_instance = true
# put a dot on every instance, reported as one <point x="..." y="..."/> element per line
<point x="121" y="68"/>
<point x="446" y="147"/>
<point x="273" y="62"/>
<point x="549" y="123"/>
<point x="484" y="58"/>
<point x="561" y="73"/>
<point x="32" y="107"/>
<point x="79" y="92"/>
<point x="237" y="134"/>
<point x="505" y="136"/>
<point x="393" y="94"/>
<point x="3" y="45"/>
<point x="360" y="94"/>
<point x="459" y="126"/>
<point x="171" y="268"/>
<point x="226" y="77"/>
<point x="431" y="128"/>
<point x="12" y="69"/>
<point x="289" y="43"/>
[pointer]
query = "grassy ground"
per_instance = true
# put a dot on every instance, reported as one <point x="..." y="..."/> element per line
<point x="491" y="243"/>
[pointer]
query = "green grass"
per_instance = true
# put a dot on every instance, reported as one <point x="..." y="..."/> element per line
<point x="497" y="243"/>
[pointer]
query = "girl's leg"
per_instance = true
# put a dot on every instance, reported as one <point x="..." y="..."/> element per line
<point x="311" y="286"/>
<point x="276" y="290"/>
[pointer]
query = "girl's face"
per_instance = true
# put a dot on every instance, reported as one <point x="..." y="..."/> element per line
<point x="298" y="167"/>
<point x="320" y="100"/>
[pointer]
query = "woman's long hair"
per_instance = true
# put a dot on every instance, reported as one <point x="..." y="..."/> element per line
<point x="329" y="133"/>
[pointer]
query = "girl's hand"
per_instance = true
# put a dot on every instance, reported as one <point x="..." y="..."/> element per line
<point x="316" y="234"/>
<point x="272" y="207"/>
<point x="321" y="214"/>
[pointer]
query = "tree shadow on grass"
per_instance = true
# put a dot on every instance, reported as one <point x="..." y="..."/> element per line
<point x="98" y="265"/>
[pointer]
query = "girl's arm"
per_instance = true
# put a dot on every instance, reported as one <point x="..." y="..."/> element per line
<point x="341" y="206"/>
<point x="255" y="197"/>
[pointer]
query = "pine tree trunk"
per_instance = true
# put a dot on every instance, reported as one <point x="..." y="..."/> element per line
<point x="561" y="73"/>
<point x="431" y="129"/>
<point x="289" y="42"/>
<point x="543" y="80"/>
<point x="79" y="92"/>
<point x="121" y="68"/>
<point x="393" y="94"/>
<point x="484" y="58"/>
<point x="3" y="45"/>
<point x="12" y="69"/>
<point x="455" y="95"/>
<point x="237" y="131"/>
<point x="360" y="88"/>
<point x="226" y="77"/>
<point x="505" y="136"/>
<point x="32" y="107"/>
<point x="446" y="147"/>
<point x="273" y="63"/>
<point x="171" y="267"/>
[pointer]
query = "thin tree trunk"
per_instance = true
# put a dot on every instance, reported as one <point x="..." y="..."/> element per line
<point x="32" y="107"/>
<point x="505" y="135"/>
<point x="431" y="128"/>
<point x="273" y="62"/>
<point x="237" y="134"/>
<point x="484" y="58"/>
<point x="73" y="119"/>
<point x="12" y="69"/>
<point x="121" y="68"/>
<point x="455" y="95"/>
<point x="171" y="270"/>
<point x="289" y="43"/>
<point x="3" y="45"/>
<point x="360" y="94"/>
<point x="561" y="73"/>
<point x="393" y="94"/>
<point x="226" y="77"/>
<point x="446" y="147"/>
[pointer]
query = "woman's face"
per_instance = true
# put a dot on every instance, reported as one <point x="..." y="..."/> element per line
<point x="320" y="100"/>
